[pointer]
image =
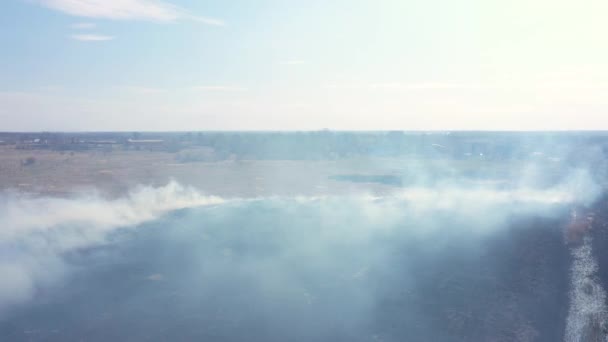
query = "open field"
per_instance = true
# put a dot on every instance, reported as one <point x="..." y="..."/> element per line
<point x="464" y="240"/>
<point x="112" y="173"/>
<point x="256" y="164"/>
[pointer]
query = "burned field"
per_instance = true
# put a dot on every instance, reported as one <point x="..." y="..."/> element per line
<point x="284" y="269"/>
<point x="356" y="248"/>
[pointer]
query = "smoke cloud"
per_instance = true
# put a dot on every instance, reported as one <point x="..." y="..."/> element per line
<point x="36" y="232"/>
<point x="424" y="261"/>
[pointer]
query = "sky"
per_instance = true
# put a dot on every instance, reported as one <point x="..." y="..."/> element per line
<point x="152" y="65"/>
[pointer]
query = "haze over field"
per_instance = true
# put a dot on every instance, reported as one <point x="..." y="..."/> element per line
<point x="386" y="237"/>
<point x="325" y="268"/>
<point x="271" y="170"/>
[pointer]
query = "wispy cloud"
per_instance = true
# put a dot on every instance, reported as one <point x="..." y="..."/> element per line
<point x="141" y="89"/>
<point x="91" y="37"/>
<point x="226" y="88"/>
<point x="402" y="86"/>
<point x="336" y="86"/>
<point x="293" y="62"/>
<point x="206" y="20"/>
<point x="152" y="10"/>
<point x="148" y="90"/>
<point x="83" y="26"/>
<point x="52" y="88"/>
<point x="421" y="86"/>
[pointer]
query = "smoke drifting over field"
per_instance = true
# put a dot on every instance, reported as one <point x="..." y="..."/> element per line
<point x="448" y="262"/>
<point x="37" y="232"/>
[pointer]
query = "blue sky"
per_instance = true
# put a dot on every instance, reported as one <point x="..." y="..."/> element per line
<point x="275" y="64"/>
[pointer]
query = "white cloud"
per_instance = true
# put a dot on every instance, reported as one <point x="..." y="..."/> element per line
<point x="142" y="89"/>
<point x="83" y="26"/>
<point x="422" y="86"/>
<point x="51" y="88"/>
<point x="148" y="90"/>
<point x="219" y="88"/>
<point x="293" y="62"/>
<point x="153" y="10"/>
<point x="91" y="37"/>
<point x="207" y="20"/>
<point x="339" y="86"/>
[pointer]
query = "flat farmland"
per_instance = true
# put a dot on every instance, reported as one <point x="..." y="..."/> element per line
<point x="113" y="173"/>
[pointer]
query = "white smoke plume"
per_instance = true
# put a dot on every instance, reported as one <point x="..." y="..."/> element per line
<point x="37" y="231"/>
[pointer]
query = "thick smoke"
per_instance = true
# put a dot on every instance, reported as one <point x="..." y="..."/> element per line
<point x="358" y="267"/>
<point x="36" y="232"/>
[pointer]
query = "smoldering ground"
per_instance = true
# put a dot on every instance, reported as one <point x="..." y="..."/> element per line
<point x="423" y="264"/>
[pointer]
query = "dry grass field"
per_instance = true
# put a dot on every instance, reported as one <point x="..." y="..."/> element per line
<point x="113" y="173"/>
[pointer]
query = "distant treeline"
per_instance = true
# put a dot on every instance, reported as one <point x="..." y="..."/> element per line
<point x="327" y="144"/>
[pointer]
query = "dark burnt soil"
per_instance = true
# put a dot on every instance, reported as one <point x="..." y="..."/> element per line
<point x="511" y="285"/>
